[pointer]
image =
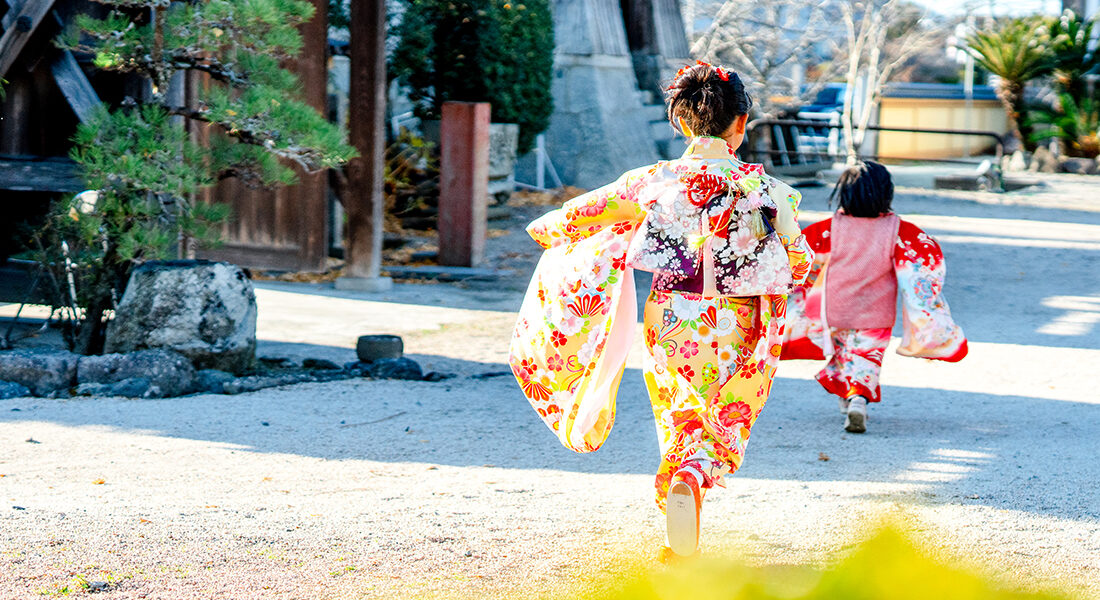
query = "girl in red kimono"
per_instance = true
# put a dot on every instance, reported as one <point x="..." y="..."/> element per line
<point x="864" y="256"/>
<point x="722" y="240"/>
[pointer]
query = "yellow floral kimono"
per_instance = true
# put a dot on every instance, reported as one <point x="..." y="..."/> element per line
<point x="711" y="355"/>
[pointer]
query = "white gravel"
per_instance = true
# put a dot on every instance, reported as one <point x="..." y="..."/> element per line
<point x="390" y="489"/>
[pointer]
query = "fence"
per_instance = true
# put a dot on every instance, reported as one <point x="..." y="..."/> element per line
<point x="802" y="146"/>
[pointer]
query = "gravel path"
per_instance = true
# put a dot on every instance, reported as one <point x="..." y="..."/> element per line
<point x="379" y="489"/>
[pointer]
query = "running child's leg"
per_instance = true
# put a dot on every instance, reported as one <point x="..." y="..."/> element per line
<point x="856" y="363"/>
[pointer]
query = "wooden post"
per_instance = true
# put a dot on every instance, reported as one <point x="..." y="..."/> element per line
<point x="362" y="197"/>
<point x="312" y="188"/>
<point x="463" y="183"/>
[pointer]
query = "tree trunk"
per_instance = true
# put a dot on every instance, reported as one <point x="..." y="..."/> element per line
<point x="93" y="331"/>
<point x="1011" y="94"/>
<point x="112" y="280"/>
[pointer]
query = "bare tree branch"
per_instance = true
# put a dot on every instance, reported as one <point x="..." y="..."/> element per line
<point x="772" y="44"/>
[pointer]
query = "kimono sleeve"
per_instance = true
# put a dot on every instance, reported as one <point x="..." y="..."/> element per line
<point x="614" y="205"/>
<point x="928" y="329"/>
<point x="804" y="335"/>
<point x="799" y="254"/>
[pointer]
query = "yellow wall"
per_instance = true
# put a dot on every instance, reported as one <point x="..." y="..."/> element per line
<point x="935" y="113"/>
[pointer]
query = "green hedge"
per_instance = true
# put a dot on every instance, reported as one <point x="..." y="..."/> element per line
<point x="478" y="51"/>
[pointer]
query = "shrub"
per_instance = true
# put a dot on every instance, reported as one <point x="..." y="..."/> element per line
<point x="478" y="51"/>
<point x="1075" y="122"/>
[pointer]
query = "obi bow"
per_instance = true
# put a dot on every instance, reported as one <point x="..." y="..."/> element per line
<point x="701" y="223"/>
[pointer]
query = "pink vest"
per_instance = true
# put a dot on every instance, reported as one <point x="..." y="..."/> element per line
<point x="860" y="285"/>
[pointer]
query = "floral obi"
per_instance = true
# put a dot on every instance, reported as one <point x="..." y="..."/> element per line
<point x="710" y="233"/>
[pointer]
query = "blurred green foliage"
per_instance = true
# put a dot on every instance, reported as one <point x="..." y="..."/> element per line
<point x="885" y="567"/>
<point x="1075" y="121"/>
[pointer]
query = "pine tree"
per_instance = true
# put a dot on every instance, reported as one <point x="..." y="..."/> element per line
<point x="138" y="156"/>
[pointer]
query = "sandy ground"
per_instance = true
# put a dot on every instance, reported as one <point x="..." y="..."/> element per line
<point x="381" y="489"/>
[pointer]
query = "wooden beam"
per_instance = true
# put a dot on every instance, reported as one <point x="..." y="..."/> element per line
<point x="311" y="192"/>
<point x="14" y="6"/>
<point x="74" y="85"/>
<point x="66" y="71"/>
<point x="48" y="175"/>
<point x="26" y="21"/>
<point x="362" y="197"/>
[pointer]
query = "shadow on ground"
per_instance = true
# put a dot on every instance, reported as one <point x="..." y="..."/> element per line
<point x="1002" y="451"/>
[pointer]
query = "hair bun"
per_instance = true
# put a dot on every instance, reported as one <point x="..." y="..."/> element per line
<point x="707" y="99"/>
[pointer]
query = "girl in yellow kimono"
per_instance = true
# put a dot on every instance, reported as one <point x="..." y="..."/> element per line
<point x="723" y="242"/>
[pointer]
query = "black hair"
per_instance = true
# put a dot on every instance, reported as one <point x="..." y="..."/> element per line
<point x="864" y="190"/>
<point x="708" y="99"/>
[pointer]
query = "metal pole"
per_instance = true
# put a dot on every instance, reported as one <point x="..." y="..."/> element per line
<point x="968" y="87"/>
<point x="540" y="163"/>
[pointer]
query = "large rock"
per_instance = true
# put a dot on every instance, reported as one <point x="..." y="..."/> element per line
<point x="44" y="372"/>
<point x="204" y="310"/>
<point x="167" y="373"/>
<point x="395" y="368"/>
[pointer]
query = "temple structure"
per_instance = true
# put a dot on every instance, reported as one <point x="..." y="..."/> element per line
<point x="611" y="63"/>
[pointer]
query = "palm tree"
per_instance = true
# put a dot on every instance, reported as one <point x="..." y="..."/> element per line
<point x="1015" y="52"/>
<point x="1071" y="45"/>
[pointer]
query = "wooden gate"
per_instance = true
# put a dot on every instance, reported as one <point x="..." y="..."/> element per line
<point x="284" y="228"/>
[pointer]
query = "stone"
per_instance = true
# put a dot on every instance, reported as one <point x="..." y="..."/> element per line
<point x="277" y="362"/>
<point x="319" y="364"/>
<point x="962" y="182"/>
<point x="212" y="381"/>
<point x="133" y="387"/>
<point x="93" y="389"/>
<point x="137" y="387"/>
<point x="168" y="371"/>
<point x="1078" y="166"/>
<point x="203" y="310"/>
<point x="395" y="368"/>
<point x="375" y="347"/>
<point x="503" y="143"/>
<point x="1043" y="161"/>
<point x="43" y="372"/>
<point x="254" y="383"/>
<point x="1017" y="162"/>
<point x="10" y="389"/>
